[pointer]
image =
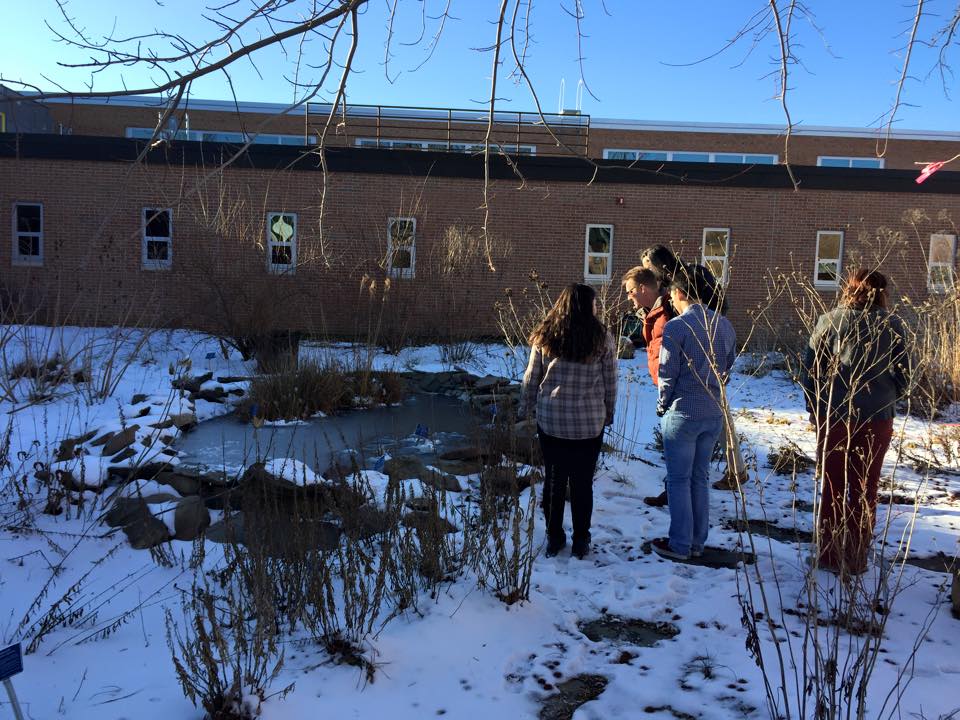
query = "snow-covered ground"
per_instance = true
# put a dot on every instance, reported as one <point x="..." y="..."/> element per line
<point x="467" y="654"/>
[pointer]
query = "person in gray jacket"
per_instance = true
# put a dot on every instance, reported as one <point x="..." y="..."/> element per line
<point x="855" y="369"/>
<point x="698" y="350"/>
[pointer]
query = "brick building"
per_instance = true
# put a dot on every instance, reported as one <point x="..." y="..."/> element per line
<point x="112" y="222"/>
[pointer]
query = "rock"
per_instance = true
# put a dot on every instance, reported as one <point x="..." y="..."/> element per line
<point x="230" y="379"/>
<point x="405" y="467"/>
<point x="191" y="384"/>
<point x="146" y="531"/>
<point x="214" y="395"/>
<point x="502" y="480"/>
<point x="162" y="425"/>
<point x="289" y="537"/>
<point x="365" y="522"/>
<point x="421" y="504"/>
<point x="184" y="421"/>
<point x="442" y="481"/>
<point x="120" y="440"/>
<point x="464" y="453"/>
<point x="626" y="350"/>
<point x="143" y="412"/>
<point x="190" y="518"/>
<point x="428" y="522"/>
<point x="124" y="510"/>
<point x="488" y="383"/>
<point x="227" y="530"/>
<point x="124" y="455"/>
<point x="68" y="447"/>
<point x="138" y="398"/>
<point x="459" y="467"/>
<point x="103" y="439"/>
<point x="68" y="481"/>
<point x="183" y="483"/>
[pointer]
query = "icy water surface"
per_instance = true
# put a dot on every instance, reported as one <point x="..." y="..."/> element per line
<point x="423" y="424"/>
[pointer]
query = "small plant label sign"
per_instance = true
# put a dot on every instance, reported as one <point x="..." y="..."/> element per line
<point x="11" y="661"/>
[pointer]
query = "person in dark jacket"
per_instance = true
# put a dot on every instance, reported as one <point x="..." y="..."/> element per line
<point x="855" y="369"/>
<point x="571" y="382"/>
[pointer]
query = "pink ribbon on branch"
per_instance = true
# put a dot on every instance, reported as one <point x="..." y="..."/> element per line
<point x="929" y="168"/>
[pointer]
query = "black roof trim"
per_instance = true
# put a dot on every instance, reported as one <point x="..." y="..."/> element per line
<point x="439" y="164"/>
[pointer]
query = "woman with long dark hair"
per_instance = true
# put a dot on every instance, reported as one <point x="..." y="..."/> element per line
<point x="571" y="381"/>
<point x="855" y="369"/>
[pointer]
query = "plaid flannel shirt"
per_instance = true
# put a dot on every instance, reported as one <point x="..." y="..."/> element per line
<point x="573" y="400"/>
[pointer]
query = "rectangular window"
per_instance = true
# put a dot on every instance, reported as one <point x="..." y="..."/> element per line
<point x="687" y="156"/>
<point x="716" y="251"/>
<point x="598" y="254"/>
<point x="850" y="162"/>
<point x="943" y="256"/>
<point x="402" y="247"/>
<point x="281" y="242"/>
<point x="444" y="146"/>
<point x="27" y="234"/>
<point x="829" y="258"/>
<point x="157" y="233"/>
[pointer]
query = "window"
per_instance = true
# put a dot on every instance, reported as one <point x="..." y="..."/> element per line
<point x="223" y="136"/>
<point x="598" y="255"/>
<point x="943" y="255"/>
<point x="850" y="162"/>
<point x="443" y="146"/>
<point x="678" y="156"/>
<point x="27" y="234"/>
<point x="402" y="246"/>
<point x="281" y="242"/>
<point x="157" y="227"/>
<point x="716" y="250"/>
<point x="829" y="258"/>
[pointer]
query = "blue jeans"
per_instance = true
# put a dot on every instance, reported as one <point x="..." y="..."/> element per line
<point x="687" y="447"/>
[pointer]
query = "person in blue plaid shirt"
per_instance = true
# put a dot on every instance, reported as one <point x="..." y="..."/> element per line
<point x="571" y="381"/>
<point x="698" y="350"/>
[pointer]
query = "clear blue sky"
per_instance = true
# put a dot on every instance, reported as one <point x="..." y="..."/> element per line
<point x="848" y="76"/>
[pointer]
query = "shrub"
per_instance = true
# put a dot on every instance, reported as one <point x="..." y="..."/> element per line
<point x="299" y="392"/>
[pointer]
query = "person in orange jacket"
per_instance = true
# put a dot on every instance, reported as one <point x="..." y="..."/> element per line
<point x="642" y="286"/>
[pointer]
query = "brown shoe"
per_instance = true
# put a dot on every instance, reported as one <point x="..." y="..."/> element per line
<point x="657" y="500"/>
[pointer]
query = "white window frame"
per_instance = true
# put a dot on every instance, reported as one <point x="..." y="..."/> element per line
<point x="940" y="287"/>
<point x="145" y="262"/>
<point x="283" y="269"/>
<point x="704" y="258"/>
<point x="587" y="254"/>
<point x="849" y="160"/>
<point x="16" y="257"/>
<point x="402" y="273"/>
<point x="711" y="156"/>
<point x="817" y="260"/>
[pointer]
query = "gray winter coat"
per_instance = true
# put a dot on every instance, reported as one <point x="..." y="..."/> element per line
<point x="856" y="365"/>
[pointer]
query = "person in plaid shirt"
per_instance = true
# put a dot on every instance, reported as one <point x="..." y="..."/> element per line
<point x="571" y="382"/>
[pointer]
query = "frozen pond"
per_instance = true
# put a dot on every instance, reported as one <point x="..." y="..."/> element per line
<point x="422" y="424"/>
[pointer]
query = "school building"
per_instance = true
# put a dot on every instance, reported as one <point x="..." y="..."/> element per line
<point x="226" y="216"/>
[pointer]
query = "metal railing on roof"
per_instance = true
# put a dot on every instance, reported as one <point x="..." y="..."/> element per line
<point x="452" y="129"/>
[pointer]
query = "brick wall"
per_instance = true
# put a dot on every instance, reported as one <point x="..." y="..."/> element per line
<point x="804" y="149"/>
<point x="92" y="271"/>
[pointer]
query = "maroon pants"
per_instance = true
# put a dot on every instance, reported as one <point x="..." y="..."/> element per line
<point x="852" y="457"/>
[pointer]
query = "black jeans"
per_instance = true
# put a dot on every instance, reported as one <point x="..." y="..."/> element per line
<point x="574" y="462"/>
